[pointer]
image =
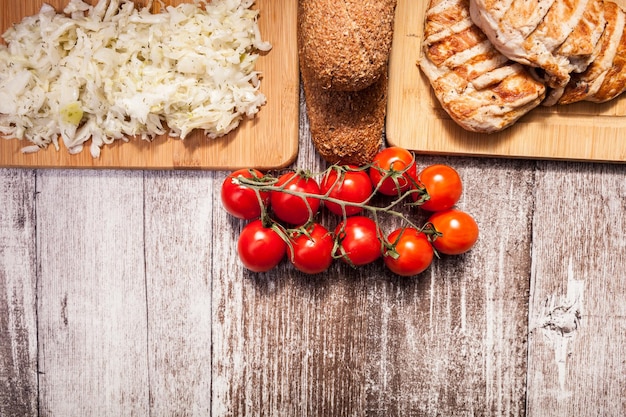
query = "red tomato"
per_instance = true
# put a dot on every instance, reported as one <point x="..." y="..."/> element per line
<point x="459" y="231"/>
<point x="359" y="240"/>
<point x="312" y="252"/>
<point x="399" y="165"/>
<point x="443" y="185"/>
<point x="242" y="201"/>
<point x="352" y="186"/>
<point x="414" y="252"/>
<point x="260" y="248"/>
<point x="294" y="209"/>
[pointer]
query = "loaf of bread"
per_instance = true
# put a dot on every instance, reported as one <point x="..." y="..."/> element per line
<point x="346" y="126"/>
<point x="344" y="49"/>
<point x="345" y="43"/>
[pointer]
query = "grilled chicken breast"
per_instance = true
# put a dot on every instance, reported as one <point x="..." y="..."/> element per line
<point x="557" y="37"/>
<point x="581" y="45"/>
<point x="614" y="82"/>
<point x="605" y="78"/>
<point x="480" y="88"/>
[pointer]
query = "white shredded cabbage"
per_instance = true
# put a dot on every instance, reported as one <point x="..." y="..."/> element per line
<point x="111" y="71"/>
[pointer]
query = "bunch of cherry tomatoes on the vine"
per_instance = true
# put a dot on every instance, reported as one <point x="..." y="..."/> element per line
<point x="283" y="213"/>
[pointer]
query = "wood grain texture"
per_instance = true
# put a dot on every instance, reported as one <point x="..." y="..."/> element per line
<point x="284" y="343"/>
<point x="269" y="140"/>
<point x="582" y="131"/>
<point x="362" y="342"/>
<point x="453" y="341"/>
<point x="577" y="359"/>
<point x="18" y="285"/>
<point x="91" y="294"/>
<point x="179" y="257"/>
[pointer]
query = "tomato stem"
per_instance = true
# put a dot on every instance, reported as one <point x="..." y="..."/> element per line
<point x="268" y="184"/>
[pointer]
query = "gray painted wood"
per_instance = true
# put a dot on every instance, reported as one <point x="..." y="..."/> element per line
<point x="91" y="300"/>
<point x="453" y="342"/>
<point x="18" y="282"/>
<point x="179" y="257"/>
<point x="577" y="359"/>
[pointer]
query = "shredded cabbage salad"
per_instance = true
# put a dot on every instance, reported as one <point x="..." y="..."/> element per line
<point x="111" y="70"/>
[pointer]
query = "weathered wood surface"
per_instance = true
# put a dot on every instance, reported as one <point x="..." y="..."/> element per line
<point x="577" y="358"/>
<point x="121" y="294"/>
<point x="18" y="294"/>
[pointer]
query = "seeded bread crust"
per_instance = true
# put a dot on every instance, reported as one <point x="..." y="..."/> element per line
<point x="345" y="43"/>
<point x="346" y="127"/>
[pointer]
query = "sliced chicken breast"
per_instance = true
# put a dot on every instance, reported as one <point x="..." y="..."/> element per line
<point x="581" y="45"/>
<point x="615" y="80"/>
<point x="481" y="89"/>
<point x="557" y="37"/>
<point x="605" y="78"/>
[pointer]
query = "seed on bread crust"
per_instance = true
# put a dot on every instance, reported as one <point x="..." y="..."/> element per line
<point x="345" y="43"/>
<point x="346" y="127"/>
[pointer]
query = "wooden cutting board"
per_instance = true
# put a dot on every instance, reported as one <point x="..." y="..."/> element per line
<point x="270" y="140"/>
<point x="415" y="120"/>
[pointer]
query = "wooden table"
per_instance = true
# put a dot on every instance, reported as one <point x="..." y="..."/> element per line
<point x="121" y="294"/>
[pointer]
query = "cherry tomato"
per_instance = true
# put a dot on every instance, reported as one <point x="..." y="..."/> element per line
<point x="294" y="209"/>
<point x="443" y="185"/>
<point x="352" y="185"/>
<point x="359" y="241"/>
<point x="311" y="252"/>
<point x="260" y="248"/>
<point x="241" y="201"/>
<point x="414" y="252"/>
<point x="459" y="231"/>
<point x="400" y="164"/>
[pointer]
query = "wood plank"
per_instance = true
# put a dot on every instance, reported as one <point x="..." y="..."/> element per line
<point x="582" y="131"/>
<point x="577" y="363"/>
<point x="453" y="340"/>
<point x="285" y="343"/>
<point x="92" y="293"/>
<point x="269" y="140"/>
<point x="18" y="283"/>
<point x="179" y="258"/>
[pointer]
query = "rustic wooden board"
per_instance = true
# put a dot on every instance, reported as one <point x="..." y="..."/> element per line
<point x="270" y="140"/>
<point x="92" y="320"/>
<point x="364" y="342"/>
<point x="415" y="120"/>
<point x="577" y="314"/>
<point x="18" y="306"/>
<point x="452" y="341"/>
<point x="178" y="285"/>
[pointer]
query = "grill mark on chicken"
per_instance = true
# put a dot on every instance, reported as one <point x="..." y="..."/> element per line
<point x="455" y="43"/>
<point x="614" y="82"/>
<point x="476" y="61"/>
<point x="553" y="30"/>
<point x="524" y="16"/>
<point x="558" y="23"/>
<point x="481" y="89"/>
<point x="580" y="45"/>
<point x="603" y="80"/>
<point x="556" y="36"/>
